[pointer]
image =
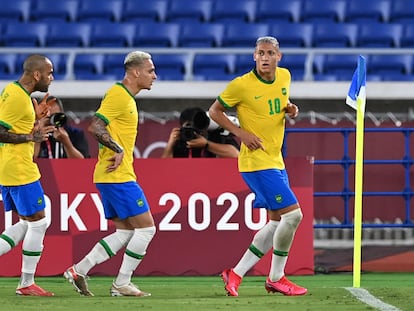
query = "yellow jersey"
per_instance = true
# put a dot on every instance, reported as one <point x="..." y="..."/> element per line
<point x="17" y="114"/>
<point x="119" y="111"/>
<point x="260" y="108"/>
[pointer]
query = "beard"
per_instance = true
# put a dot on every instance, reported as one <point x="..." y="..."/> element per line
<point x="41" y="86"/>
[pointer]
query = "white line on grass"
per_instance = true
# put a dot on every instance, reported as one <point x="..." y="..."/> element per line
<point x="367" y="298"/>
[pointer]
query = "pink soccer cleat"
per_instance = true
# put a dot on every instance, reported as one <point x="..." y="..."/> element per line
<point x="33" y="290"/>
<point x="231" y="282"/>
<point x="285" y="287"/>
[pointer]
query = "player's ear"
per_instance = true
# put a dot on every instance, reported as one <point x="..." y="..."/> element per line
<point x="37" y="75"/>
<point x="280" y="55"/>
<point x="137" y="73"/>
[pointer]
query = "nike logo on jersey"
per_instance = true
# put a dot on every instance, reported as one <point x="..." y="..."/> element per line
<point x="257" y="97"/>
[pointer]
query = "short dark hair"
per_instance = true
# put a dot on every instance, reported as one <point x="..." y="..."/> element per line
<point x="188" y="114"/>
<point x="34" y="62"/>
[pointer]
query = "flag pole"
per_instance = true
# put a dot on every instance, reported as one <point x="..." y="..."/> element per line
<point x="359" y="160"/>
<point x="357" y="99"/>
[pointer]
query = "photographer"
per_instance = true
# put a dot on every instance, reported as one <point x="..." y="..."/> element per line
<point x="199" y="137"/>
<point x="66" y="141"/>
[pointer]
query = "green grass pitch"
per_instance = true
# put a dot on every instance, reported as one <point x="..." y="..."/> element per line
<point x="326" y="292"/>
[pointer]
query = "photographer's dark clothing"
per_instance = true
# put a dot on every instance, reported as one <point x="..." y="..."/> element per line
<point x="54" y="149"/>
<point x="181" y="151"/>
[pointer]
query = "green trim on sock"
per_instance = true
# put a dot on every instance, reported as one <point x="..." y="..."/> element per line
<point x="31" y="253"/>
<point x="107" y="248"/>
<point x="280" y="253"/>
<point x="8" y="240"/>
<point x="256" y="251"/>
<point x="134" y="255"/>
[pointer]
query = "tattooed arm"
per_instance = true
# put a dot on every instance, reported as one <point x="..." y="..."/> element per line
<point x="38" y="135"/>
<point x="98" y="130"/>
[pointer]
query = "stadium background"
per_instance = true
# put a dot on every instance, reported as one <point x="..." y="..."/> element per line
<point x="321" y="65"/>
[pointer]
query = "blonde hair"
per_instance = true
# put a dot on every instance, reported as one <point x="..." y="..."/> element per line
<point x="268" y="39"/>
<point x="135" y="58"/>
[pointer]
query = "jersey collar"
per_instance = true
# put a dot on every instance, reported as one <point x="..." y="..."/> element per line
<point x="21" y="86"/>
<point x="260" y="78"/>
<point x="123" y="86"/>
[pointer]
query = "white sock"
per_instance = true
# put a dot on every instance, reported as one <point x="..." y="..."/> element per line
<point x="12" y="236"/>
<point x="32" y="250"/>
<point x="262" y="242"/>
<point x="134" y="253"/>
<point x="282" y="242"/>
<point x="104" y="249"/>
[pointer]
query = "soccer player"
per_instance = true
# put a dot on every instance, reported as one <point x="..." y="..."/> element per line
<point x="115" y="128"/>
<point x="261" y="98"/>
<point x="21" y="125"/>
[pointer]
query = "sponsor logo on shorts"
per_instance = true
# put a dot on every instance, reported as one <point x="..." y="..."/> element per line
<point x="39" y="201"/>
<point x="278" y="198"/>
<point x="140" y="202"/>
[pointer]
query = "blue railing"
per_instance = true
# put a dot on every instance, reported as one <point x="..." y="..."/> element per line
<point x="347" y="163"/>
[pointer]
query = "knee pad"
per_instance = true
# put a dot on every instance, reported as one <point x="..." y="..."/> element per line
<point x="14" y="234"/>
<point x="263" y="239"/>
<point x="146" y="233"/>
<point x="33" y="240"/>
<point x="114" y="242"/>
<point x="140" y="240"/>
<point x="124" y="236"/>
<point x="293" y="218"/>
<point x="38" y="224"/>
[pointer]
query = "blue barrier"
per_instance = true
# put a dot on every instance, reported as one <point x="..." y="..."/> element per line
<point x="346" y="162"/>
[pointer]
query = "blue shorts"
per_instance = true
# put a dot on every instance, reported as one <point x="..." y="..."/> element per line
<point x="122" y="200"/>
<point x="26" y="200"/>
<point x="271" y="188"/>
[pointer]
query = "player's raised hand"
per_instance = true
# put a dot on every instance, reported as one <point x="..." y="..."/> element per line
<point x="42" y="109"/>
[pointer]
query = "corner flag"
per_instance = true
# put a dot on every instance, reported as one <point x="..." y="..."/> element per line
<point x="356" y="93"/>
<point x="356" y="99"/>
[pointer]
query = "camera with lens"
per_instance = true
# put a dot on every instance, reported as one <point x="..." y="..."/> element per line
<point x="197" y="126"/>
<point x="58" y="119"/>
<point x="187" y="132"/>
